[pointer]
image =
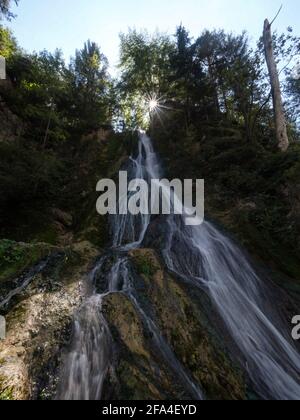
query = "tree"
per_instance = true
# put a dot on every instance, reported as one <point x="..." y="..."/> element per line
<point x="293" y="90"/>
<point x="209" y="54"/>
<point x="241" y="82"/>
<point x="8" y="44"/>
<point x="38" y="94"/>
<point x="145" y="73"/>
<point x="90" y="83"/>
<point x="187" y="75"/>
<point x="145" y="62"/>
<point x="280" y="120"/>
<point x="5" y="6"/>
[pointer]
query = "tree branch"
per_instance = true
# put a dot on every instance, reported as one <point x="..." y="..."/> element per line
<point x="278" y="13"/>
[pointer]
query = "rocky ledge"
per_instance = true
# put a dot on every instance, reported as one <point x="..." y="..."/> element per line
<point x="39" y="318"/>
<point x="140" y="370"/>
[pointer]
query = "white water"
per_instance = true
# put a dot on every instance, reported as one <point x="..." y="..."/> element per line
<point x="24" y="282"/>
<point x="89" y="360"/>
<point x="87" y="363"/>
<point x="206" y="258"/>
<point x="211" y="260"/>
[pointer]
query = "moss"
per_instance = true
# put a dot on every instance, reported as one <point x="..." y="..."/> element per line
<point x="6" y="393"/>
<point x="47" y="235"/>
<point x="140" y="373"/>
<point x="145" y="263"/>
<point x="179" y="314"/>
<point x="135" y="384"/>
<point x="16" y="257"/>
<point x="144" y="267"/>
<point x="104" y="161"/>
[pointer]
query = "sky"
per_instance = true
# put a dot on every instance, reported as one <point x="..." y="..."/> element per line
<point x="67" y="24"/>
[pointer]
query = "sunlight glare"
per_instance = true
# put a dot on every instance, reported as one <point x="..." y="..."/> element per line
<point x="153" y="104"/>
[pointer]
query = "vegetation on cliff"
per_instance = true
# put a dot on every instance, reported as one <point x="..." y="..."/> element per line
<point x="65" y="126"/>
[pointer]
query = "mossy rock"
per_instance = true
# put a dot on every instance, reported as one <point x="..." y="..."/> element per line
<point x="145" y="262"/>
<point x="139" y="371"/>
<point x="17" y="257"/>
<point x="182" y="321"/>
<point x="6" y="394"/>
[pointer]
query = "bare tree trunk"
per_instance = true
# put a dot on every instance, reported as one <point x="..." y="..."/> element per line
<point x="280" y="121"/>
<point x="47" y="130"/>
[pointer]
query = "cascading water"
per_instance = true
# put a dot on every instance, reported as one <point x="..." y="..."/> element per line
<point x="86" y="365"/>
<point x="207" y="259"/>
<point x="23" y="282"/>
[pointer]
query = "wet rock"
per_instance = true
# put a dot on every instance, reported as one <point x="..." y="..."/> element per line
<point x="183" y="323"/>
<point x="156" y="233"/>
<point x="138" y="372"/>
<point x="39" y="326"/>
<point x="66" y="219"/>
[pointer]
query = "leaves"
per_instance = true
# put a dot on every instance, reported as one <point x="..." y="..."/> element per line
<point x="5" y="6"/>
<point x="10" y="252"/>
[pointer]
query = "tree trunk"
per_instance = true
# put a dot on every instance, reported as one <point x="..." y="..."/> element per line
<point x="214" y="86"/>
<point x="280" y="121"/>
<point x="47" y="131"/>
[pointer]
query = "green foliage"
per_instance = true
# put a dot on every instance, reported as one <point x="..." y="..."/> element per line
<point x="293" y="89"/>
<point x="5" y="7"/>
<point x="144" y="62"/>
<point x="145" y="267"/>
<point x="17" y="257"/>
<point x="251" y="190"/>
<point x="8" y="44"/>
<point x="145" y="69"/>
<point x="9" y="253"/>
<point x="26" y="174"/>
<point x="55" y="105"/>
<point x="56" y="101"/>
<point x="214" y="106"/>
<point x="89" y="87"/>
<point x="218" y="75"/>
<point x="6" y="394"/>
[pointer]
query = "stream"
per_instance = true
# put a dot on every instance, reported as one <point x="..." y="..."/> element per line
<point x="205" y="258"/>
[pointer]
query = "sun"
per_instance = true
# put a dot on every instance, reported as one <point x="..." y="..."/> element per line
<point x="153" y="105"/>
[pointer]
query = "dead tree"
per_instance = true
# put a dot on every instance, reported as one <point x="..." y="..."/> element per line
<point x="280" y="120"/>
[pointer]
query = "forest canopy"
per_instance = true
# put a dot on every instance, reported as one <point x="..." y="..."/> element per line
<point x="215" y="79"/>
<point x="217" y="75"/>
<point x="5" y="9"/>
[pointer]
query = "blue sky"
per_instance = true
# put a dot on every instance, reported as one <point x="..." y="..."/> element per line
<point x="67" y="24"/>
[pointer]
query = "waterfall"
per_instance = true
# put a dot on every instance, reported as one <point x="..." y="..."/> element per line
<point x="204" y="257"/>
<point x="22" y="282"/>
<point x="88" y="361"/>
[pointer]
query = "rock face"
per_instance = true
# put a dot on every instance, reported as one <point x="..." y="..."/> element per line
<point x="38" y="325"/>
<point x="140" y="370"/>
